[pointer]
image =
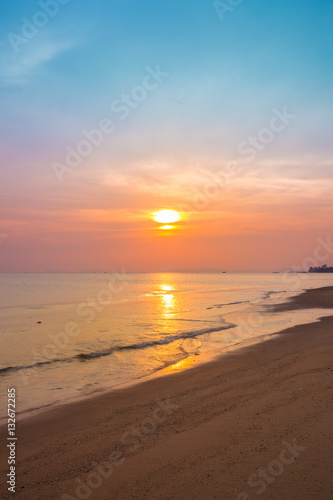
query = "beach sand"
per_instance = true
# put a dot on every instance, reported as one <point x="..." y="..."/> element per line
<point x="201" y="433"/>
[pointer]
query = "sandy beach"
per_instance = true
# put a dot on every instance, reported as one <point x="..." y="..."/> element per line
<point x="256" y="423"/>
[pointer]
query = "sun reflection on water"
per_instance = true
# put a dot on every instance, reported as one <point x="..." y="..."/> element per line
<point x="168" y="301"/>
<point x="180" y="365"/>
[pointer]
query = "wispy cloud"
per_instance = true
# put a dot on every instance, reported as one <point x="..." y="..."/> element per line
<point x="17" y="69"/>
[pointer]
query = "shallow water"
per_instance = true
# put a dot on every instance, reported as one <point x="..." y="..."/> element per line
<point x="68" y="335"/>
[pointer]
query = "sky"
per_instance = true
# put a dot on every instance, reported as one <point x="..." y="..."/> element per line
<point x="113" y="110"/>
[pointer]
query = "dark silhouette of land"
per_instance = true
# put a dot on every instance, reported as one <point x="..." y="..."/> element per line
<point x="322" y="269"/>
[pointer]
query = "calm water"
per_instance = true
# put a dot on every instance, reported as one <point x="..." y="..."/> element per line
<point x="68" y="335"/>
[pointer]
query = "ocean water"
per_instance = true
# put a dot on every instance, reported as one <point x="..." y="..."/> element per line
<point x="69" y="335"/>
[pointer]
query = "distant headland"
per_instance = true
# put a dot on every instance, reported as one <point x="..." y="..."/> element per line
<point x="322" y="269"/>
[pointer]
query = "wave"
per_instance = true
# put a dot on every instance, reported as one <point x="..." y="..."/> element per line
<point x="267" y="294"/>
<point x="85" y="356"/>
<point x="218" y="306"/>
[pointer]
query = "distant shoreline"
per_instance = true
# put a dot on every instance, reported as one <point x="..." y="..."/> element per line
<point x="172" y="272"/>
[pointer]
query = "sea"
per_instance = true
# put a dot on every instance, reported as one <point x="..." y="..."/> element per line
<point x="66" y="336"/>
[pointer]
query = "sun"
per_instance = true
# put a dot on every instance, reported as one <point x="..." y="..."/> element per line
<point x="166" y="216"/>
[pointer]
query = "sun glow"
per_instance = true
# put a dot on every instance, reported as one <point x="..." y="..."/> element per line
<point x="166" y="216"/>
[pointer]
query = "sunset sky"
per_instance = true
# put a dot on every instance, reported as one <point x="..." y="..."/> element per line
<point x="225" y="117"/>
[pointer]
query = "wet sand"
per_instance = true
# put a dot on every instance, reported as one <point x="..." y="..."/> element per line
<point x="256" y="423"/>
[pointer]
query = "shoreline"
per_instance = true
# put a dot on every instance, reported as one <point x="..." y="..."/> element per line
<point x="187" y="362"/>
<point x="239" y="391"/>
